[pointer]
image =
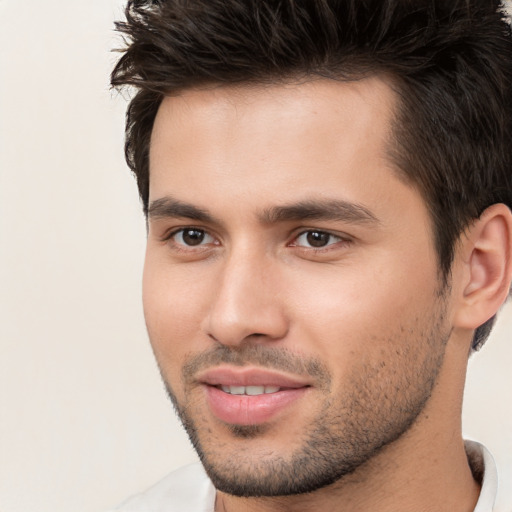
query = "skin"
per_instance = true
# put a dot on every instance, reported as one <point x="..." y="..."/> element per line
<point x="367" y="311"/>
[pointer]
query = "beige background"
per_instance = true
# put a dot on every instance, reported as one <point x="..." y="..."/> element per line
<point x="84" y="420"/>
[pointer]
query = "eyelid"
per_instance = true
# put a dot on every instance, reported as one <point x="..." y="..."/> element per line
<point x="170" y="232"/>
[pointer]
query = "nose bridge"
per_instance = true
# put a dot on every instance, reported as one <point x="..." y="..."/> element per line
<point x="246" y="302"/>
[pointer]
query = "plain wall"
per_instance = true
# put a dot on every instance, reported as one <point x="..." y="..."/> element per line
<point x="84" y="418"/>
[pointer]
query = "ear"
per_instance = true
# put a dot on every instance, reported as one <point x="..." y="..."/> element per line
<point x="487" y="260"/>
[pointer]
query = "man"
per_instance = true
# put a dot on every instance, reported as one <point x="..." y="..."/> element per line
<point x="327" y="188"/>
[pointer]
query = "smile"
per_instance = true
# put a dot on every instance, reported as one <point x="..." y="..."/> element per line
<point x="251" y="395"/>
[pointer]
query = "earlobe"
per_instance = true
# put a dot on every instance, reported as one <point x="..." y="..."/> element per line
<point x="487" y="249"/>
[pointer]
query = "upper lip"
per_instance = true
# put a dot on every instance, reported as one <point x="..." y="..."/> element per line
<point x="229" y="376"/>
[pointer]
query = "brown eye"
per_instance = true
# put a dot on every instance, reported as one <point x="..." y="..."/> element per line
<point x="192" y="237"/>
<point x="314" y="239"/>
<point x="318" y="238"/>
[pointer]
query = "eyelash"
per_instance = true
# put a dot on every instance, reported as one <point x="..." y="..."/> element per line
<point x="187" y="248"/>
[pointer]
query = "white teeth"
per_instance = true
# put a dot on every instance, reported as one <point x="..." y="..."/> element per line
<point x="236" y="390"/>
<point x="254" y="390"/>
<point x="250" y="390"/>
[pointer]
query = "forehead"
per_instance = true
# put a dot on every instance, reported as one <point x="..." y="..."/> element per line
<point x="276" y="144"/>
<point x="227" y="111"/>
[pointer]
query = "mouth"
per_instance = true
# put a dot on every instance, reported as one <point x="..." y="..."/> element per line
<point x="241" y="396"/>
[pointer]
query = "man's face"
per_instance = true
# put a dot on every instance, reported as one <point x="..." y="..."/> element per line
<point x="291" y="285"/>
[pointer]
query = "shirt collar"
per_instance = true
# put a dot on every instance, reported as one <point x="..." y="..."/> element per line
<point x="484" y="470"/>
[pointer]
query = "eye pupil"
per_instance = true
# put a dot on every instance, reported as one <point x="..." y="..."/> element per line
<point x="193" y="236"/>
<point x="318" y="239"/>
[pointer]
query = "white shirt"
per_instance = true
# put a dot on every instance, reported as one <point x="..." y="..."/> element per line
<point x="190" y="490"/>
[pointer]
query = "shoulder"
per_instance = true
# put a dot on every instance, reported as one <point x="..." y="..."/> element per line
<point x="187" y="488"/>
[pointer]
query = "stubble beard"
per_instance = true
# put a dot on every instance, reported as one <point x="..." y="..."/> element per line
<point x="379" y="403"/>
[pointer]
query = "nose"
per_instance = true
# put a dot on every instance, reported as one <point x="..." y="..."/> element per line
<point x="247" y="302"/>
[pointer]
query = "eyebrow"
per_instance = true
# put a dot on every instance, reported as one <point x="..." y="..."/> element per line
<point x="337" y="210"/>
<point x="172" y="208"/>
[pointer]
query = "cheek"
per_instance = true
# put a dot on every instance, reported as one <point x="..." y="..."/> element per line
<point x="173" y="299"/>
<point x="361" y="307"/>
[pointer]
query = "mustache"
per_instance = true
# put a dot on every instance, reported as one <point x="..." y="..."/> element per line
<point x="275" y="358"/>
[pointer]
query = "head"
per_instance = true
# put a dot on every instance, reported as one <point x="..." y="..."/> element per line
<point x="450" y="65"/>
<point x="430" y="86"/>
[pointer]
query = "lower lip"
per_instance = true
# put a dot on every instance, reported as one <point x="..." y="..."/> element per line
<point x="250" y="410"/>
